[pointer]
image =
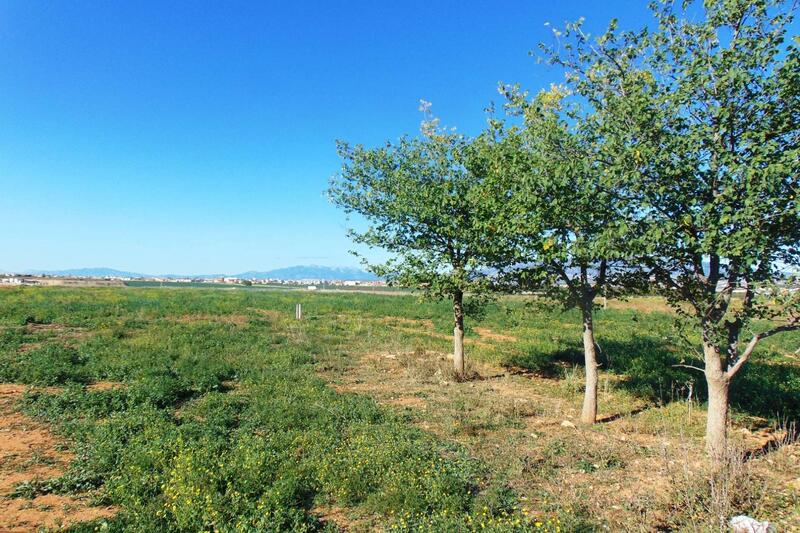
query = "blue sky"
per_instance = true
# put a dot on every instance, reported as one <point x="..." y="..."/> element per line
<point x="191" y="137"/>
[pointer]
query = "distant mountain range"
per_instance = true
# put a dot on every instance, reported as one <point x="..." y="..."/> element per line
<point x="289" y="273"/>
<point x="312" y="272"/>
<point x="87" y="273"/>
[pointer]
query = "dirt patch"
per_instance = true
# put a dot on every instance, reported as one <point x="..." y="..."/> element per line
<point x="28" y="452"/>
<point x="105" y="385"/>
<point x="445" y="337"/>
<point x="635" y="465"/>
<point x="488" y="334"/>
<point x="35" y="327"/>
<point x="28" y="346"/>
<point x="47" y="511"/>
<point x="344" y="519"/>
<point x="411" y="402"/>
<point x="67" y="335"/>
<point x="60" y="331"/>
<point x="425" y="328"/>
<point x="402" y="321"/>
<point x="239" y="320"/>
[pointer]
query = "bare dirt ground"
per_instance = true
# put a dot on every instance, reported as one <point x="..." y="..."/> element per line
<point x="487" y="333"/>
<point x="69" y="336"/>
<point x="238" y="320"/>
<point x="637" y="470"/>
<point x="29" y="451"/>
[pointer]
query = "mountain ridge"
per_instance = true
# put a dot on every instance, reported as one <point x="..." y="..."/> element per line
<point x="292" y="273"/>
<point x="312" y="272"/>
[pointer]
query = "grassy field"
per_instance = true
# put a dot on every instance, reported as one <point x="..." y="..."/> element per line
<point x="150" y="409"/>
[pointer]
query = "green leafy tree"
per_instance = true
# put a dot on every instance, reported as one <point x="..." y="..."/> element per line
<point x="428" y="202"/>
<point x="570" y="232"/>
<point x="709" y="103"/>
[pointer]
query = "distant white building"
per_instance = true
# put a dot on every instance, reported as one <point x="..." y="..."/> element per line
<point x="312" y="287"/>
<point x="11" y="281"/>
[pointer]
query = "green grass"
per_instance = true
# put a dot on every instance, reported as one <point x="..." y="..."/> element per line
<point x="223" y="423"/>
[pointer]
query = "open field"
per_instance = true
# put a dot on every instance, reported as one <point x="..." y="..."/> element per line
<point x="146" y="409"/>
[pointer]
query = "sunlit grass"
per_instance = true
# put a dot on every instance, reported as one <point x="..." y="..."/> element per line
<point x="222" y="421"/>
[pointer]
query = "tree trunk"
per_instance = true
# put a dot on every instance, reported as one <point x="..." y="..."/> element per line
<point x="717" y="418"/>
<point x="589" y="412"/>
<point x="458" y="334"/>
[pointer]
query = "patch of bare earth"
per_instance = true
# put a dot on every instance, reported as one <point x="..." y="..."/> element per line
<point x="629" y="472"/>
<point x="403" y="321"/>
<point x="29" y="452"/>
<point x="67" y="335"/>
<point x="425" y="328"/>
<point x="105" y="385"/>
<point x="239" y="320"/>
<point x="343" y="519"/>
<point x="488" y="334"/>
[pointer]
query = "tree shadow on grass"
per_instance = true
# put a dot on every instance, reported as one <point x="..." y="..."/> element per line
<point x="543" y="362"/>
<point x="648" y="366"/>
<point x="768" y="389"/>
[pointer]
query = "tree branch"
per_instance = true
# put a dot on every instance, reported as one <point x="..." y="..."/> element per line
<point x="791" y="326"/>
<point x="688" y="366"/>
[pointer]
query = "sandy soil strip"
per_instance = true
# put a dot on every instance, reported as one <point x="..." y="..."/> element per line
<point x="29" y="451"/>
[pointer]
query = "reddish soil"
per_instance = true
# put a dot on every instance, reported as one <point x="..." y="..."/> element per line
<point x="29" y="451"/>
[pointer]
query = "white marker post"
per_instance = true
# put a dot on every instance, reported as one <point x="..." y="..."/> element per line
<point x="298" y="312"/>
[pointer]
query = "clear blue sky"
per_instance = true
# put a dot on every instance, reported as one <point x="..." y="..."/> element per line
<point x="198" y="137"/>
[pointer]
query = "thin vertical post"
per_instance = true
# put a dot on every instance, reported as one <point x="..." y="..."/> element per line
<point x="298" y="312"/>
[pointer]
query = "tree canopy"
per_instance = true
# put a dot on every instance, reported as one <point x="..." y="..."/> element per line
<point x="428" y="202"/>
<point x="708" y="113"/>
<point x="669" y="155"/>
<point x="569" y="227"/>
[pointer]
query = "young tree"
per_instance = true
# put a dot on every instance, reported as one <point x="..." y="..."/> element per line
<point x="427" y="201"/>
<point x="710" y="107"/>
<point x="570" y="231"/>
